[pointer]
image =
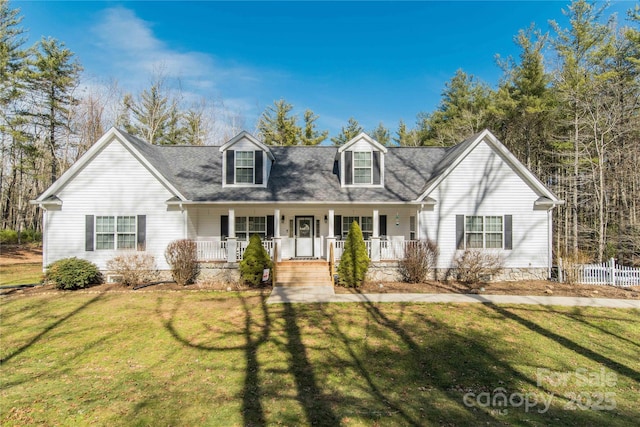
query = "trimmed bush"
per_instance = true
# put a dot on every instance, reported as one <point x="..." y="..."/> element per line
<point x="254" y="261"/>
<point x="475" y="265"/>
<point x="182" y="256"/>
<point x="136" y="268"/>
<point x="419" y="260"/>
<point x="354" y="261"/>
<point x="73" y="273"/>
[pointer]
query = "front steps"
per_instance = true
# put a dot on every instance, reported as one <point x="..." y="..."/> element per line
<point x="303" y="273"/>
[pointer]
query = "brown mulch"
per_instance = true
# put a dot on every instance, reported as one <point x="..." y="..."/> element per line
<point x="14" y="254"/>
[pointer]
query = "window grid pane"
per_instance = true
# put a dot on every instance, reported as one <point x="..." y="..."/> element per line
<point x="244" y="176"/>
<point x="105" y="224"/>
<point x="104" y="241"/>
<point x="362" y="176"/>
<point x="257" y="225"/>
<point x="362" y="159"/>
<point x="474" y="240"/>
<point x="241" y="224"/>
<point x="474" y="224"/>
<point x="126" y="224"/>
<point x="493" y="240"/>
<point x="493" y="224"/>
<point x="346" y="223"/>
<point x="126" y="241"/>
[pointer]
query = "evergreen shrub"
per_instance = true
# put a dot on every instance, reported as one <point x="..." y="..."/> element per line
<point x="73" y="273"/>
<point x="254" y="261"/>
<point x="354" y="261"/>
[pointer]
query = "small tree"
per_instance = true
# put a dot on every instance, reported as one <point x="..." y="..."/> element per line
<point x="254" y="261"/>
<point x="419" y="260"/>
<point x="182" y="256"/>
<point x="354" y="261"/>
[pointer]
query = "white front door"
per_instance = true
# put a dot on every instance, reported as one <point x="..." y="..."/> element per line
<point x="304" y="236"/>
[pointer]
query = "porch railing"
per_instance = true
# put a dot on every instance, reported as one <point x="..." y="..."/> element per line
<point x="216" y="250"/>
<point x="211" y="250"/>
<point x="389" y="249"/>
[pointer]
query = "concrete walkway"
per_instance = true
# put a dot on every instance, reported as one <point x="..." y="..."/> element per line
<point x="325" y="294"/>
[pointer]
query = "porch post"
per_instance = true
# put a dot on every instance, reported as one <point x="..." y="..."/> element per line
<point x="375" y="238"/>
<point x="331" y="238"/>
<point x="231" y="239"/>
<point x="277" y="240"/>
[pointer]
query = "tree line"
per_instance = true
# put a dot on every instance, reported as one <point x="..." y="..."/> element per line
<point x="567" y="107"/>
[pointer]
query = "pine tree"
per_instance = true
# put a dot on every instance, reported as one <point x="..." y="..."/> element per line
<point x="277" y="127"/>
<point x="254" y="261"/>
<point x="310" y="136"/>
<point x="381" y="134"/>
<point x="152" y="113"/>
<point x="347" y="133"/>
<point x="354" y="261"/>
<point x="54" y="77"/>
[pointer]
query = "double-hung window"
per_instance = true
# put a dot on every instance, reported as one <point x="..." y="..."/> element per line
<point x="247" y="226"/>
<point x="115" y="232"/>
<point x="244" y="167"/>
<point x="365" y="223"/>
<point x="362" y="169"/>
<point x="483" y="232"/>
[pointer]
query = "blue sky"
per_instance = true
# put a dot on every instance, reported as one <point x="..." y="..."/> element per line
<point x="374" y="61"/>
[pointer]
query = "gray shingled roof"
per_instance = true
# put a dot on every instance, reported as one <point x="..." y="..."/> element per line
<point x="299" y="174"/>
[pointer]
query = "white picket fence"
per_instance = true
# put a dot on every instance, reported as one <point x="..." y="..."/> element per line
<point x="606" y="273"/>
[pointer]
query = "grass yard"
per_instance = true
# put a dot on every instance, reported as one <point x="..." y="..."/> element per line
<point x="18" y="274"/>
<point x="223" y="359"/>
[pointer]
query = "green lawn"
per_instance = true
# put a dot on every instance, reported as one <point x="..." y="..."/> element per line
<point x="20" y="274"/>
<point x="222" y="359"/>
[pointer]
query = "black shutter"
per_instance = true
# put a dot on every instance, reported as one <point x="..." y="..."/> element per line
<point x="88" y="233"/>
<point x="508" y="226"/>
<point x="258" y="167"/>
<point x="376" y="167"/>
<point x="142" y="232"/>
<point x="224" y="226"/>
<point x="337" y="226"/>
<point x="271" y="226"/>
<point x="459" y="231"/>
<point x="382" y="225"/>
<point x="231" y="165"/>
<point x="348" y="168"/>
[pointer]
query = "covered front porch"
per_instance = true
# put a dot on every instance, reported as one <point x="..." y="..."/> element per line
<point x="300" y="232"/>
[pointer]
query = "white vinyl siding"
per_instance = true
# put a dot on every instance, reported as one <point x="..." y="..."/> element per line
<point x="362" y="168"/>
<point x="483" y="184"/>
<point x="91" y="192"/>
<point x="244" y="167"/>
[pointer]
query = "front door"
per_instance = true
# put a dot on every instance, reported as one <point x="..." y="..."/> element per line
<point x="304" y="236"/>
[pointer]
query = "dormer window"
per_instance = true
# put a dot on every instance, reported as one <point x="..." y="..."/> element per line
<point x="244" y="167"/>
<point x="246" y="162"/>
<point x="362" y="167"/>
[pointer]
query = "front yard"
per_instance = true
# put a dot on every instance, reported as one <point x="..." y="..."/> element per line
<point x="212" y="358"/>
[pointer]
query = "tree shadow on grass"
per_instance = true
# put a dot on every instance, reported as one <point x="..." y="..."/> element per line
<point x="49" y="328"/>
<point x="567" y="343"/>
<point x="315" y="403"/>
<point x="252" y="410"/>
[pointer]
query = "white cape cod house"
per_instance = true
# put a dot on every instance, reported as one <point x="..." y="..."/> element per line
<point x="125" y="194"/>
